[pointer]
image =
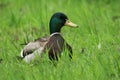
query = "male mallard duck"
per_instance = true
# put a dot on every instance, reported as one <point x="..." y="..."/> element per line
<point x="54" y="43"/>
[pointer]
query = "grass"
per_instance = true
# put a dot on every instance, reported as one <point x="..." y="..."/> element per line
<point x="96" y="43"/>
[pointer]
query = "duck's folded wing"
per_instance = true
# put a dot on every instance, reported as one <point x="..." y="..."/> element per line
<point x="33" y="46"/>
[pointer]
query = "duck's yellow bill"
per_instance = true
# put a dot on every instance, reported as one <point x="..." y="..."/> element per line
<point x="69" y="23"/>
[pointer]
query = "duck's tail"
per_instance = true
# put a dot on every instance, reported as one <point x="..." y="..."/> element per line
<point x="21" y="54"/>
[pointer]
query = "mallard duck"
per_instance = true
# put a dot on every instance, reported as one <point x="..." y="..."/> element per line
<point x="54" y="44"/>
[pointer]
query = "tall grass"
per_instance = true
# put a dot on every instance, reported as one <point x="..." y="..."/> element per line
<point x="96" y="43"/>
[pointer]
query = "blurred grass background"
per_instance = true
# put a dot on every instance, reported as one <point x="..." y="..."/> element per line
<point x="96" y="43"/>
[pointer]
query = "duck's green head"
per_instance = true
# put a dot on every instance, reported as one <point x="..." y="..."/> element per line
<point x="58" y="20"/>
